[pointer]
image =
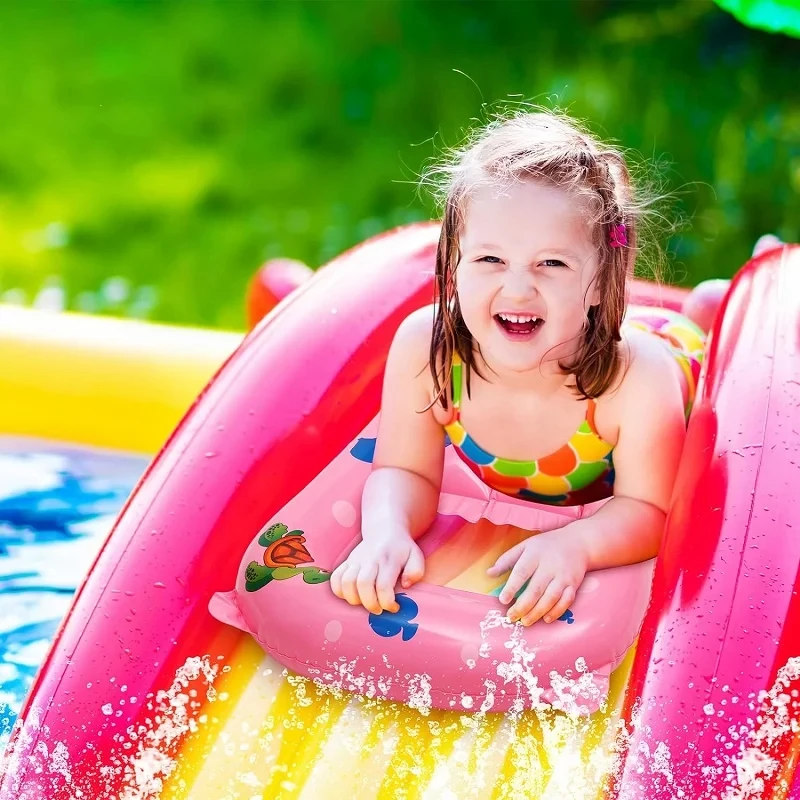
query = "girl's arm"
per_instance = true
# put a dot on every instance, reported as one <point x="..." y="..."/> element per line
<point x="401" y="495"/>
<point x="652" y="430"/>
<point x="629" y="527"/>
<point x="403" y="490"/>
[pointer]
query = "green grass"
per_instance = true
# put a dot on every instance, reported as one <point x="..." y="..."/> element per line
<point x="179" y="144"/>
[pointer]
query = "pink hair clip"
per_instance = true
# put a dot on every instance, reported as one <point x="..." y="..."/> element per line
<point x="619" y="236"/>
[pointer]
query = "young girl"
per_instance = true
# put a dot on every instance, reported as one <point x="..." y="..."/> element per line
<point x="526" y="364"/>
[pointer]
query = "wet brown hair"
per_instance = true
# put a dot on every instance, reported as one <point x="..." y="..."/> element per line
<point x="550" y="148"/>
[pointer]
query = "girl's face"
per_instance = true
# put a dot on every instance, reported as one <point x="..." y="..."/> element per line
<point x="525" y="278"/>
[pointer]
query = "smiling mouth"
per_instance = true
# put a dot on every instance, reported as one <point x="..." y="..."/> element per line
<point x="519" y="325"/>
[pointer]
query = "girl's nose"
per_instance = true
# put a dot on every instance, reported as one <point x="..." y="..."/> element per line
<point x="519" y="285"/>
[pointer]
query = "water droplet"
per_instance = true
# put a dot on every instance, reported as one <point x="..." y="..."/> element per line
<point x="333" y="630"/>
<point x="344" y="513"/>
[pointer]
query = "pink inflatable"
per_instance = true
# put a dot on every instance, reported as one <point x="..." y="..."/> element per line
<point x="716" y="678"/>
<point x="449" y="642"/>
<point x="723" y="623"/>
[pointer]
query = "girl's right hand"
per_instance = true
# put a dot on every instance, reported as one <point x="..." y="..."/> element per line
<point x="369" y="574"/>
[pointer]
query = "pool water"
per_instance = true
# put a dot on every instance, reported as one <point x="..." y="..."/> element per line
<point x="57" y="505"/>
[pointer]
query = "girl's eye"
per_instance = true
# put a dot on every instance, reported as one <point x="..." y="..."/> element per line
<point x="553" y="262"/>
<point x="490" y="259"/>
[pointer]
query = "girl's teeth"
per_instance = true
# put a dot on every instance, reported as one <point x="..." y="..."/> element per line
<point x="517" y="318"/>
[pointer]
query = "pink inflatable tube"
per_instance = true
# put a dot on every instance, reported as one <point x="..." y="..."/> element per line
<point x="716" y="678"/>
<point x="446" y="647"/>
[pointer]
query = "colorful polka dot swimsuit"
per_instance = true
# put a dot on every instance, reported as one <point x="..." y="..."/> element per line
<point x="582" y="470"/>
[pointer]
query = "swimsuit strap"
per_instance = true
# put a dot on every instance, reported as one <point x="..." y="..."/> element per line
<point x="456" y="382"/>
<point x="591" y="407"/>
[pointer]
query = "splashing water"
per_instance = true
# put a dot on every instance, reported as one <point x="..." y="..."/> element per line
<point x="153" y="743"/>
<point x="174" y="720"/>
<point x="565" y="692"/>
<point x="536" y="752"/>
<point x="753" y="763"/>
<point x="575" y="769"/>
<point x="517" y="670"/>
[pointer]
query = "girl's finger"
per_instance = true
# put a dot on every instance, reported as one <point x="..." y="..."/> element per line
<point x="338" y="574"/>
<point x="536" y="587"/>
<point x="349" y="587"/>
<point x="414" y="568"/>
<point x="506" y="561"/>
<point x="549" y="598"/>
<point x="567" y="596"/>
<point x="365" y="585"/>
<point x="523" y="570"/>
<point x="384" y="587"/>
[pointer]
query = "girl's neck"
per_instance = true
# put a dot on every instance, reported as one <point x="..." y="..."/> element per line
<point x="546" y="379"/>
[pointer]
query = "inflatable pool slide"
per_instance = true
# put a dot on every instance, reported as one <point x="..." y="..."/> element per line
<point x="146" y="694"/>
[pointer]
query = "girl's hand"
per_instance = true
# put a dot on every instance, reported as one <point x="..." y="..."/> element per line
<point x="369" y="574"/>
<point x="555" y="563"/>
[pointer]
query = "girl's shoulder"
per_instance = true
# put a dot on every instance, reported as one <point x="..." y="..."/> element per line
<point x="410" y="360"/>
<point x="412" y="341"/>
<point x="648" y="378"/>
<point x="417" y="328"/>
<point x="410" y="350"/>
<point x="648" y="371"/>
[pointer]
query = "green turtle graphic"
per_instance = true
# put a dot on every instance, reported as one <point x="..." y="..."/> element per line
<point x="285" y="551"/>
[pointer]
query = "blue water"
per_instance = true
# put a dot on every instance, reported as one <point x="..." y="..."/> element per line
<point x="57" y="504"/>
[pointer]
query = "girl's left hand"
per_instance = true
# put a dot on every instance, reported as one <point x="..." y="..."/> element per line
<point x="555" y="563"/>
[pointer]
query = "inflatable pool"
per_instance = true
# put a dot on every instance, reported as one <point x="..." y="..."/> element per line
<point x="144" y="694"/>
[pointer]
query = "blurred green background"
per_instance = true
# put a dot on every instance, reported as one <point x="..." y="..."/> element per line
<point x="153" y="154"/>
